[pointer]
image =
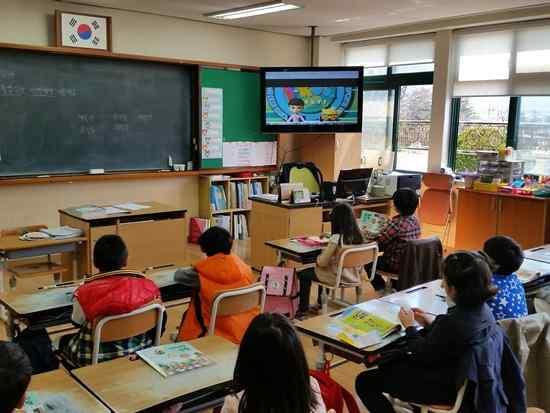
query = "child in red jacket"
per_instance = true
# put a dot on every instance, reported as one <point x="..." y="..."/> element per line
<point x="114" y="291"/>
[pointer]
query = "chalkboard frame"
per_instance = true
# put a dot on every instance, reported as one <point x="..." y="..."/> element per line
<point x="60" y="178"/>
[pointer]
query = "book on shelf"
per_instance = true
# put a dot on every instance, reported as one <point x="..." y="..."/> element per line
<point x="240" y="226"/>
<point x="361" y="328"/>
<point x="218" y="198"/>
<point x="256" y="187"/>
<point x="222" y="221"/>
<point x="174" y="358"/>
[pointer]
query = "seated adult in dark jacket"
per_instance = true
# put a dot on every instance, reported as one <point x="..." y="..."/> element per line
<point x="465" y="343"/>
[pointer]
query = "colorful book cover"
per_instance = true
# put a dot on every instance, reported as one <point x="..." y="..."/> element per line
<point x="174" y="358"/>
<point x="362" y="329"/>
<point x="372" y="222"/>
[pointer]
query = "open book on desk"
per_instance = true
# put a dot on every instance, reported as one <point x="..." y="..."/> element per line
<point x="361" y="328"/>
<point x="174" y="358"/>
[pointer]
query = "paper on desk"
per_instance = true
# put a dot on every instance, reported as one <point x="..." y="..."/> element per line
<point x="131" y="206"/>
<point x="111" y="210"/>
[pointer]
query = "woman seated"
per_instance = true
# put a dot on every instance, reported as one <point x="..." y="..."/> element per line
<point x="345" y="232"/>
<point x="464" y="344"/>
<point x="219" y="271"/>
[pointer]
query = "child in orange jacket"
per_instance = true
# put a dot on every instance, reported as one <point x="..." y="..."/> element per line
<point x="219" y="271"/>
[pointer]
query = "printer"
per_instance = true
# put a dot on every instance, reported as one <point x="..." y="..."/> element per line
<point x="386" y="184"/>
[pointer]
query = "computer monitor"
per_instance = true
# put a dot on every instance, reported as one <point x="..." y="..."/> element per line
<point x="353" y="182"/>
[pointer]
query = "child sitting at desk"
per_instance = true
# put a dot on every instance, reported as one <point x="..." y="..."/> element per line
<point x="111" y="292"/>
<point x="271" y="372"/>
<point x="464" y="344"/>
<point x="15" y="377"/>
<point x="507" y="257"/>
<point x="345" y="232"/>
<point x="394" y="236"/>
<point x="219" y="271"/>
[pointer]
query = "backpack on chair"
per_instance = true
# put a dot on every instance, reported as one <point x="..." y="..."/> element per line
<point x="282" y="290"/>
<point x="334" y="395"/>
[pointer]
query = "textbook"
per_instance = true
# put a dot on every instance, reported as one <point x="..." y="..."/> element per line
<point x="174" y="358"/>
<point x="362" y="329"/>
<point x="372" y="222"/>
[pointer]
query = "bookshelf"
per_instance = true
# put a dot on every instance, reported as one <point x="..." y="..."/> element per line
<point x="233" y="194"/>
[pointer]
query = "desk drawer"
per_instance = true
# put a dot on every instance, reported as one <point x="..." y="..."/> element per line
<point x="154" y="243"/>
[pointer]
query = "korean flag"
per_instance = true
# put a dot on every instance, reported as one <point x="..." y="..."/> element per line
<point x="84" y="31"/>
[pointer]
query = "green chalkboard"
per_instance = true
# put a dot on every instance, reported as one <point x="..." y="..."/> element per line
<point x="67" y="114"/>
<point x="241" y="107"/>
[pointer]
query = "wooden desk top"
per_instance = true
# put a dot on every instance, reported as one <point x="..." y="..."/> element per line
<point x="324" y="204"/>
<point x="13" y="243"/>
<point x="293" y="247"/>
<point x="56" y="298"/>
<point x="58" y="382"/>
<point x="504" y="194"/>
<point x="155" y="208"/>
<point x="132" y="386"/>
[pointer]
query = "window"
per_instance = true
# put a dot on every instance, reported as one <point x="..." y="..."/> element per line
<point x="533" y="134"/>
<point x="413" y="138"/>
<point x="377" y="126"/>
<point x="397" y="100"/>
<point x="482" y="125"/>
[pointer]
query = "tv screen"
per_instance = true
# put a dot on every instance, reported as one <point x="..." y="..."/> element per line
<point x="312" y="99"/>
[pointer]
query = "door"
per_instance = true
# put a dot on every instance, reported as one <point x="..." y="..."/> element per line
<point x="523" y="220"/>
<point x="476" y="219"/>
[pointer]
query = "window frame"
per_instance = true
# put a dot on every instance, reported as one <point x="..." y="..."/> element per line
<point x="394" y="82"/>
<point x="514" y="107"/>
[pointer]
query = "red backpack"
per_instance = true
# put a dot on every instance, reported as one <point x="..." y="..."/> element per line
<point x="334" y="395"/>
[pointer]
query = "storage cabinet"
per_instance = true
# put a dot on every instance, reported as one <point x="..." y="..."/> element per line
<point x="481" y="215"/>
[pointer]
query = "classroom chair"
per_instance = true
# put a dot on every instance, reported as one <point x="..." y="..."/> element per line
<point x="350" y="257"/>
<point x="32" y="269"/>
<point x="420" y="263"/>
<point x="122" y="326"/>
<point x="427" y="408"/>
<point x="236" y="301"/>
<point x="435" y="205"/>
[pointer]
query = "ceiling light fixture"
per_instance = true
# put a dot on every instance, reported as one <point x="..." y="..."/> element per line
<point x="253" y="10"/>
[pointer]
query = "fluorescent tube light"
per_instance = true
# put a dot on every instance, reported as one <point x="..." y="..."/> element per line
<point x="253" y="10"/>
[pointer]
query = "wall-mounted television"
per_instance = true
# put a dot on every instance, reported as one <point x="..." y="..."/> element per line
<point x="312" y="99"/>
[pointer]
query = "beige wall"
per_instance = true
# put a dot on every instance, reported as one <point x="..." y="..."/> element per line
<point x="31" y="22"/>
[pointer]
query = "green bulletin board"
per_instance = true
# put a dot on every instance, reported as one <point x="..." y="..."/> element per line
<point x="241" y="107"/>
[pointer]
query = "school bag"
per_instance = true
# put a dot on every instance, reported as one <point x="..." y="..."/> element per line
<point x="334" y="395"/>
<point x="305" y="169"/>
<point x="282" y="290"/>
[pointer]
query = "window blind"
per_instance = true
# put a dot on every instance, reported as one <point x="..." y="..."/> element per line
<point x="511" y="61"/>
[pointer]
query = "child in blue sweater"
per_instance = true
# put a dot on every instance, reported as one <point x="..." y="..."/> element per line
<point x="507" y="256"/>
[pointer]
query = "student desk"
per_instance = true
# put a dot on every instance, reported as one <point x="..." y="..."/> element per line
<point x="13" y="248"/>
<point x="319" y="328"/>
<point x="289" y="249"/>
<point x="134" y="386"/>
<point x="274" y="220"/>
<point x="155" y="236"/>
<point x="540" y="253"/>
<point x="58" y="382"/>
<point x="52" y="307"/>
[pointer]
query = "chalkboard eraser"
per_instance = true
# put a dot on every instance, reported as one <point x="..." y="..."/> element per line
<point x="96" y="171"/>
<point x="43" y="176"/>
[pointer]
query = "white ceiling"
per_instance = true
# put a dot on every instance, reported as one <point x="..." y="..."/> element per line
<point x="331" y="16"/>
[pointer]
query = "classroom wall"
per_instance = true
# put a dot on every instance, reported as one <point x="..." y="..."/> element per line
<point x="31" y="22"/>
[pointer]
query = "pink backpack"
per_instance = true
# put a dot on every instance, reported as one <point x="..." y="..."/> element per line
<point x="282" y="290"/>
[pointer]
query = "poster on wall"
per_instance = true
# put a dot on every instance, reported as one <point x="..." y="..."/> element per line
<point x="211" y="123"/>
<point x="83" y="31"/>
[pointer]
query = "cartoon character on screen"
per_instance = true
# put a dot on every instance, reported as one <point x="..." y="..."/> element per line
<point x="296" y="106"/>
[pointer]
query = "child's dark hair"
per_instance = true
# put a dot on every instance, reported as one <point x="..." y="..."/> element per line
<point x="15" y="375"/>
<point x="216" y="240"/>
<point x="110" y="253"/>
<point x="469" y="273"/>
<point x="506" y="254"/>
<point x="295" y="102"/>
<point x="405" y="201"/>
<point x="343" y="222"/>
<point x="272" y="369"/>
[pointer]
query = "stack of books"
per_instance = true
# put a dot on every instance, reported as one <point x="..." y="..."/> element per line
<point x="240" y="192"/>
<point x="240" y="226"/>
